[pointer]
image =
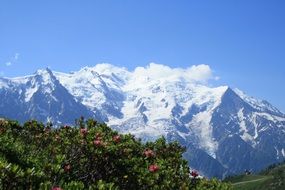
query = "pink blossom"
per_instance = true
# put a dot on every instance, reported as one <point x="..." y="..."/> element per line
<point x="67" y="168"/>
<point x="97" y="142"/>
<point x="194" y="174"/>
<point x="83" y="131"/>
<point x="149" y="153"/>
<point x="153" y="168"/>
<point x="66" y="127"/>
<point x="56" y="188"/>
<point x="57" y="137"/>
<point x="116" y="138"/>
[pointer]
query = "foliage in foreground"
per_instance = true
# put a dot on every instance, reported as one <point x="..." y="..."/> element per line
<point x="90" y="156"/>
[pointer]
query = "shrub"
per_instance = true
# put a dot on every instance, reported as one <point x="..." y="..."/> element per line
<point x="88" y="156"/>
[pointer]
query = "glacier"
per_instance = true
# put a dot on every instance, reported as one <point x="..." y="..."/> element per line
<point x="224" y="130"/>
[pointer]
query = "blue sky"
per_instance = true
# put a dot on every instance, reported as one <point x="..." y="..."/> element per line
<point x="242" y="41"/>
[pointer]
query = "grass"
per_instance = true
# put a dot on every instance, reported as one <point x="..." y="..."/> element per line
<point x="252" y="182"/>
<point x="243" y="178"/>
<point x="271" y="178"/>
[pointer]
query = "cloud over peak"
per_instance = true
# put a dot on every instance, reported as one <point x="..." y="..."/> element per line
<point x="196" y="73"/>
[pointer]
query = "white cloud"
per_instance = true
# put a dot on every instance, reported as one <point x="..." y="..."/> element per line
<point x="12" y="60"/>
<point x="9" y="63"/>
<point x="196" y="73"/>
<point x="217" y="78"/>
<point x="16" y="56"/>
<point x="201" y="73"/>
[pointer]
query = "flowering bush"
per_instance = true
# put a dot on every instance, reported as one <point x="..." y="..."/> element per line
<point x="194" y="174"/>
<point x="153" y="168"/>
<point x="87" y="156"/>
<point x="148" y="153"/>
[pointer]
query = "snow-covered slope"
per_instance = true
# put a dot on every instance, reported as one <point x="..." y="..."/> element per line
<point x="39" y="96"/>
<point x="224" y="130"/>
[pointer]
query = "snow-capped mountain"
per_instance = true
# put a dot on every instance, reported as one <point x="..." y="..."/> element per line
<point x="224" y="130"/>
<point x="40" y="96"/>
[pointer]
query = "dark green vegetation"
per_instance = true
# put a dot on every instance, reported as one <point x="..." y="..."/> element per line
<point x="271" y="178"/>
<point x="90" y="156"/>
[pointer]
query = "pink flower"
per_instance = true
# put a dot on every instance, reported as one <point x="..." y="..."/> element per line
<point x="194" y="174"/>
<point x="117" y="138"/>
<point x="98" y="136"/>
<point x="2" y="130"/>
<point x="83" y="131"/>
<point x="149" y="153"/>
<point x="83" y="142"/>
<point x="57" y="138"/>
<point x="47" y="130"/>
<point x="56" y="188"/>
<point x="66" y="127"/>
<point x="97" y="142"/>
<point x="67" y="167"/>
<point x="153" y="168"/>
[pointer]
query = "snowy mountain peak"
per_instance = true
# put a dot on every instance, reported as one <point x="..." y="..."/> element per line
<point x="223" y="127"/>
<point x="45" y="76"/>
<point x="45" y="71"/>
<point x="43" y="81"/>
<point x="258" y="104"/>
<point x="106" y="69"/>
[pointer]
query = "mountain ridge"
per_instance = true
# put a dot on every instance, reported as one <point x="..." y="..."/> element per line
<point x="213" y="122"/>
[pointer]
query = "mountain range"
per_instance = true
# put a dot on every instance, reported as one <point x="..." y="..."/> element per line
<point x="224" y="130"/>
